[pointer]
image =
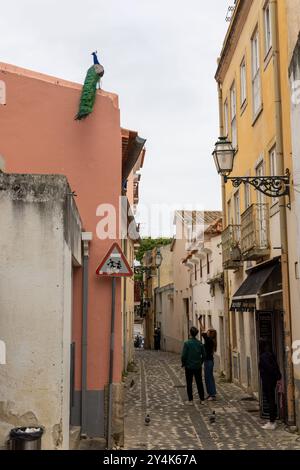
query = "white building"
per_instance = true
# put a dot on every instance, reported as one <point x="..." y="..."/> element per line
<point x="40" y="241"/>
<point x="204" y="263"/>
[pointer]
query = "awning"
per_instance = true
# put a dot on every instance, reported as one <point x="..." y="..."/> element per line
<point x="245" y="296"/>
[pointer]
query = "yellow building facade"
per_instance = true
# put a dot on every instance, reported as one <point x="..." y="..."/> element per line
<point x="258" y="241"/>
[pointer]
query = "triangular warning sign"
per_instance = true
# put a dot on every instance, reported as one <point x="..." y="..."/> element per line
<point x="114" y="263"/>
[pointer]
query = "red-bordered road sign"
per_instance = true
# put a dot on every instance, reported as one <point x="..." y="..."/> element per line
<point x="114" y="263"/>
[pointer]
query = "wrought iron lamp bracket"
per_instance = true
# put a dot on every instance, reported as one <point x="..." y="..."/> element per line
<point x="272" y="186"/>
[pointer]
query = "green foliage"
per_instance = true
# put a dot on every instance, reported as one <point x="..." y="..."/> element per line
<point x="149" y="243"/>
<point x="88" y="94"/>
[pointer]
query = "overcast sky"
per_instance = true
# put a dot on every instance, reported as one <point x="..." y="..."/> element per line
<point x="159" y="57"/>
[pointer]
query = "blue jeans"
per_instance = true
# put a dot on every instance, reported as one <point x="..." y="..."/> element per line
<point x="209" y="378"/>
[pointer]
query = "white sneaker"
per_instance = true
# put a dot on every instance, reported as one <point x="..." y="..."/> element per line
<point x="269" y="426"/>
<point x="190" y="403"/>
<point x="202" y="402"/>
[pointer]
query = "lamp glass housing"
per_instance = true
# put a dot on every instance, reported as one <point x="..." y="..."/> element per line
<point x="158" y="259"/>
<point x="223" y="156"/>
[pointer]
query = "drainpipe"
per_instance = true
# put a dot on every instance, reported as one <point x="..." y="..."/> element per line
<point x="86" y="238"/>
<point x="289" y="370"/>
<point x="125" y="320"/>
<point x="227" y="326"/>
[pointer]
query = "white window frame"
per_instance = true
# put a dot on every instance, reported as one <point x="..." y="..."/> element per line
<point x="262" y="223"/>
<point x="268" y="28"/>
<point x="247" y="194"/>
<point x="273" y="168"/>
<point x="259" y="170"/>
<point x="226" y="118"/>
<point x="237" y="212"/>
<point x="237" y="208"/>
<point x="256" y="81"/>
<point x="233" y="115"/>
<point x="229" y="212"/>
<point x="243" y="81"/>
<point x="2" y="92"/>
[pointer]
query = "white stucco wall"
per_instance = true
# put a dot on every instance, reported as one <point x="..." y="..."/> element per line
<point x="207" y="305"/>
<point x="35" y="306"/>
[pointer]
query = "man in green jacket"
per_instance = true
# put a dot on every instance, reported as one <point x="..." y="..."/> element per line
<point x="192" y="358"/>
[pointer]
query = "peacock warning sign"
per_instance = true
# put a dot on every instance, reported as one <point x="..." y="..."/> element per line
<point x="114" y="263"/>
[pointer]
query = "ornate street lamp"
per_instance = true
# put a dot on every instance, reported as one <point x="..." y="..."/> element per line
<point x="224" y="156"/>
<point x="272" y="186"/>
<point x="158" y="258"/>
<point x="158" y="261"/>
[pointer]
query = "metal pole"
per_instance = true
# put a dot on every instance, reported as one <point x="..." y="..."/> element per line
<point x="86" y="238"/>
<point x="84" y="345"/>
<point x="283" y="222"/>
<point x="111" y="361"/>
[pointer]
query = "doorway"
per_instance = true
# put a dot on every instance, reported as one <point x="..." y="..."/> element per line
<point x="270" y="328"/>
<point x="187" y="317"/>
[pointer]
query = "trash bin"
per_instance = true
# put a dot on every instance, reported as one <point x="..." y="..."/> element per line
<point x="25" y="438"/>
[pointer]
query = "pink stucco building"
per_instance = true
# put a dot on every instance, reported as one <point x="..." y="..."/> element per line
<point x="38" y="134"/>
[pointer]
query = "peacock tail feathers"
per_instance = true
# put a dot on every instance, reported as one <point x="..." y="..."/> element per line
<point x="88" y="94"/>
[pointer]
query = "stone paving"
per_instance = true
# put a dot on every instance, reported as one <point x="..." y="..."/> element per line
<point x="157" y="388"/>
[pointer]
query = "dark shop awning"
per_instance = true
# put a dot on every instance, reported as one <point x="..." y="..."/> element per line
<point x="245" y="296"/>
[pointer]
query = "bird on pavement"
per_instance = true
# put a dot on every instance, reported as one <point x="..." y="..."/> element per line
<point x="212" y="418"/>
<point x="147" y="420"/>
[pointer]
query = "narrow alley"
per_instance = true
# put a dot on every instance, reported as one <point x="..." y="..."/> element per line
<point x="157" y="388"/>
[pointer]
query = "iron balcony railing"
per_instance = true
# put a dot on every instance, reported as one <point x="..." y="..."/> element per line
<point x="231" y="247"/>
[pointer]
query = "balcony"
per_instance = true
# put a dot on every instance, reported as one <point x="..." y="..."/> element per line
<point x="255" y="241"/>
<point x="232" y="258"/>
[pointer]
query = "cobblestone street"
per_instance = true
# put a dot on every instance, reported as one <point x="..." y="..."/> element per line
<point x="157" y="388"/>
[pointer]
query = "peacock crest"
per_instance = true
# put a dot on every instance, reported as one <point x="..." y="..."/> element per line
<point x="89" y="89"/>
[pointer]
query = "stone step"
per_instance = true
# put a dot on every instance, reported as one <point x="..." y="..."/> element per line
<point x="74" y="437"/>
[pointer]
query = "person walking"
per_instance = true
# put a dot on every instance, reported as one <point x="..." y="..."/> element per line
<point x="210" y="344"/>
<point x="192" y="357"/>
<point x="270" y="375"/>
<point x="157" y="336"/>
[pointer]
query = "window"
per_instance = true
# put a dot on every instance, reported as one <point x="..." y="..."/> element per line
<point x="226" y="118"/>
<point x="237" y="211"/>
<point x="273" y="168"/>
<point x="195" y="272"/>
<point x="243" y="79"/>
<point x="256" y="85"/>
<point x="2" y="92"/>
<point x="233" y="115"/>
<point x="207" y="263"/>
<point x="260" y="172"/>
<point x="268" y="31"/>
<point x="201" y="271"/>
<point x="247" y="195"/>
<point x="229" y="212"/>
<point x="261" y="221"/>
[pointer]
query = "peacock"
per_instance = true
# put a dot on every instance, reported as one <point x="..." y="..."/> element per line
<point x="88" y="94"/>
